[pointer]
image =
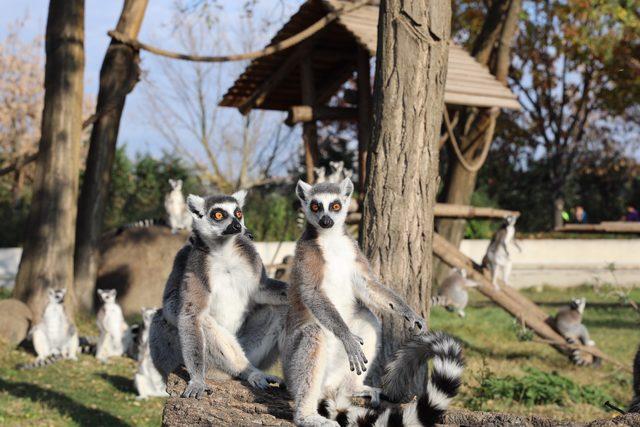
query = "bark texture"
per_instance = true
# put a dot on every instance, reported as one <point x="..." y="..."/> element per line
<point x="397" y="221"/>
<point x="232" y="403"/>
<point x="492" y="48"/>
<point x="118" y="76"/>
<point x="47" y="258"/>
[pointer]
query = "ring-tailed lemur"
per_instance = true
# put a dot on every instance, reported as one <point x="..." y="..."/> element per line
<point x="635" y="403"/>
<point x="497" y="256"/>
<point x="148" y="381"/>
<point x="178" y="215"/>
<point x="55" y="337"/>
<point x="220" y="310"/>
<point x="568" y="323"/>
<point x="331" y="329"/>
<point x="114" y="339"/>
<point x="452" y="293"/>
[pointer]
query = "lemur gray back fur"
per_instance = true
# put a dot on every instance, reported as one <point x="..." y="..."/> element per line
<point x="568" y="322"/>
<point x="452" y="293"/>
<point x="332" y="334"/>
<point x="635" y="403"/>
<point x="216" y="290"/>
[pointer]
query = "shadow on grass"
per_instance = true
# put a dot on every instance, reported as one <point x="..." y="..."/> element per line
<point x="61" y="403"/>
<point x="123" y="384"/>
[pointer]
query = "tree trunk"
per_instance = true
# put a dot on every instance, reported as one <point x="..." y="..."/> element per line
<point x="118" y="76"/>
<point x="494" y="40"/>
<point x="47" y="257"/>
<point x="411" y="69"/>
<point x="558" y="208"/>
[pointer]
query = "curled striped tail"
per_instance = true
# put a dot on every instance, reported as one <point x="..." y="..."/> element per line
<point x="578" y="359"/>
<point x="39" y="363"/>
<point x="440" y="301"/>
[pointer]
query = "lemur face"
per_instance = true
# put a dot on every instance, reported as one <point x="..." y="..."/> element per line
<point x="176" y="184"/>
<point x="217" y="216"/>
<point x="107" y="295"/>
<point x="325" y="204"/>
<point x="511" y="220"/>
<point x="57" y="295"/>
<point x="578" y="304"/>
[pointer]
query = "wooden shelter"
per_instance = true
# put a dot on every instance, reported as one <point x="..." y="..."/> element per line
<point x="303" y="79"/>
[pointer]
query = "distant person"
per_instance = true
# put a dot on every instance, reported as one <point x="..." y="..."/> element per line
<point x="580" y="215"/>
<point x="632" y="214"/>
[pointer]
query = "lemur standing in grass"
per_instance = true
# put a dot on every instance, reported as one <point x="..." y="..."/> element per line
<point x="498" y="256"/>
<point x="635" y="403"/>
<point x="568" y="323"/>
<point x="331" y="330"/>
<point x="220" y="310"/>
<point x="452" y="293"/>
<point x="178" y="215"/>
<point x="114" y="339"/>
<point x="55" y="337"/>
<point x="147" y="380"/>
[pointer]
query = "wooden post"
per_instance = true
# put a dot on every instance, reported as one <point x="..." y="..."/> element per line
<point x="47" y="258"/>
<point x="309" y="129"/>
<point x="118" y="76"/>
<point x="364" y="116"/>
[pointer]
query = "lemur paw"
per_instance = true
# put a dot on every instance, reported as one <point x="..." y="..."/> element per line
<point x="259" y="379"/>
<point x="357" y="360"/>
<point x="195" y="389"/>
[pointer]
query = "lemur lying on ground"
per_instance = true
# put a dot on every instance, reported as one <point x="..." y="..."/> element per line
<point x="452" y="293"/>
<point x="568" y="322"/>
<point x="331" y="330"/>
<point x="220" y="310"/>
<point x="498" y="256"/>
<point x="55" y="337"/>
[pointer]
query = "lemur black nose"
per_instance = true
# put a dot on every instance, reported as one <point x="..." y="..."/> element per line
<point x="234" y="228"/>
<point x="325" y="222"/>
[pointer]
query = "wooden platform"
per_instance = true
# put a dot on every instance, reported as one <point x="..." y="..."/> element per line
<point x="603" y="227"/>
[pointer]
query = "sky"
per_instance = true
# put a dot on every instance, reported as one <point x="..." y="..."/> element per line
<point x="100" y="17"/>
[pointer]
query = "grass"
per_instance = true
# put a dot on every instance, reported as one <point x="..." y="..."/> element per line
<point x="503" y="373"/>
<point x="499" y="364"/>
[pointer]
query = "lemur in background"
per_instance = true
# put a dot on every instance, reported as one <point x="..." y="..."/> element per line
<point x="331" y="330"/>
<point x="147" y="380"/>
<point x="498" y="256"/>
<point x="178" y="215"/>
<point x="568" y="323"/>
<point x="114" y="339"/>
<point x="452" y="293"/>
<point x="635" y="403"/>
<point x="220" y="310"/>
<point x="55" y="337"/>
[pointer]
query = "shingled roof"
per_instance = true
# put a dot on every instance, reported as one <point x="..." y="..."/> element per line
<point x="334" y="62"/>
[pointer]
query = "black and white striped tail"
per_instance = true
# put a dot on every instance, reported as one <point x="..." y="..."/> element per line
<point x="88" y="345"/>
<point x="577" y="357"/>
<point x="49" y="360"/>
<point x="440" y="301"/>
<point x="143" y="223"/>
<point x="404" y="375"/>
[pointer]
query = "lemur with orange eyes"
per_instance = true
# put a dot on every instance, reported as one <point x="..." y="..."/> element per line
<point x="220" y="310"/>
<point x="332" y="331"/>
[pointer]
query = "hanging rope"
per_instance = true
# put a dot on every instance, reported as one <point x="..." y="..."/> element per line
<point x="278" y="47"/>
<point x="488" y="136"/>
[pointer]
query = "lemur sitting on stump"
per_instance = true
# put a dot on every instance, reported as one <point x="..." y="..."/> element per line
<point x="220" y="310"/>
<point x="331" y="332"/>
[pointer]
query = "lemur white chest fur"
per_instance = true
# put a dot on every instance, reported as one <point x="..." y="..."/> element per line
<point x="113" y="320"/>
<point x="55" y="324"/>
<point x="340" y="257"/>
<point x="232" y="282"/>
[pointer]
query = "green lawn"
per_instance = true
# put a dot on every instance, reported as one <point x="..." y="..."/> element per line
<point x="90" y="393"/>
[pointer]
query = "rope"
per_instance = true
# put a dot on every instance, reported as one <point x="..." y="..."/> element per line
<point x="488" y="135"/>
<point x="280" y="46"/>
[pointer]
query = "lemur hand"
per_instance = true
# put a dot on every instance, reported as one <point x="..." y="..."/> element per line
<point x="353" y="346"/>
<point x="195" y="389"/>
<point x="416" y="323"/>
<point x="259" y="379"/>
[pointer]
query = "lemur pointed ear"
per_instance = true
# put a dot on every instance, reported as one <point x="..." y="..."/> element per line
<point x="195" y="205"/>
<point x="240" y="196"/>
<point x="302" y="190"/>
<point x="346" y="188"/>
<point x="64" y="291"/>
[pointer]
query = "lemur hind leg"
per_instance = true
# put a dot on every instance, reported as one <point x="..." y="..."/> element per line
<point x="506" y="271"/>
<point x="304" y="368"/>
<point x="40" y="343"/>
<point x="164" y="346"/>
<point x="260" y="334"/>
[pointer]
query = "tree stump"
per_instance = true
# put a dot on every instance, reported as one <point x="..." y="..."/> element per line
<point x="233" y="403"/>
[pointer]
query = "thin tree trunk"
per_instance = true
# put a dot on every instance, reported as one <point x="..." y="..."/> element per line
<point x="118" y="76"/>
<point x="47" y="257"/>
<point x="411" y="69"/>
<point x="501" y="25"/>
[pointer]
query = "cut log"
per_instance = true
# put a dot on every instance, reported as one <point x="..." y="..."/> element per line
<point x="232" y="403"/>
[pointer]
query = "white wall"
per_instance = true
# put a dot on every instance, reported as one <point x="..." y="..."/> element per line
<point x="562" y="263"/>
